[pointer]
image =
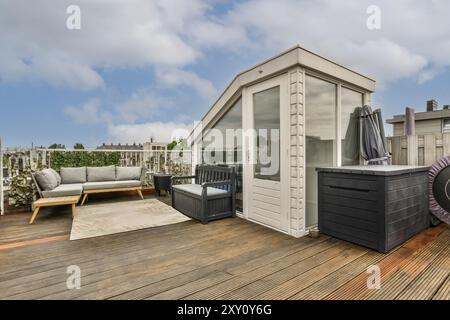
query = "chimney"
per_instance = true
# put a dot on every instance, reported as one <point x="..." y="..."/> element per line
<point x="410" y="122"/>
<point x="432" y="105"/>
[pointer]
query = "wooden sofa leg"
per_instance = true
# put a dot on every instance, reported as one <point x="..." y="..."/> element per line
<point x="73" y="210"/>
<point x="140" y="194"/>
<point x="84" y="199"/>
<point x="35" y="213"/>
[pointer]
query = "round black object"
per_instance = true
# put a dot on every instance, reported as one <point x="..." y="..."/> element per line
<point x="441" y="188"/>
<point x="434" y="221"/>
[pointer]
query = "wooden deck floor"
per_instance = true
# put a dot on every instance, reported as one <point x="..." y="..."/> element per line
<point x="227" y="259"/>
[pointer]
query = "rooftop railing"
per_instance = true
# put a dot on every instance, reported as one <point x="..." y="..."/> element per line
<point x="20" y="162"/>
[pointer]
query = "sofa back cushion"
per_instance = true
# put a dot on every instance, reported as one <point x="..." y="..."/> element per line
<point x="96" y="174"/>
<point x="128" y="173"/>
<point x="57" y="176"/>
<point x="73" y="175"/>
<point x="46" y="179"/>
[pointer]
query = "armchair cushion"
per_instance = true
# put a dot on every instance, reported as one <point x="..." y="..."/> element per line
<point x="197" y="189"/>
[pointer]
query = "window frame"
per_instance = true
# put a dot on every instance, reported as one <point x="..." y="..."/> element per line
<point x="337" y="157"/>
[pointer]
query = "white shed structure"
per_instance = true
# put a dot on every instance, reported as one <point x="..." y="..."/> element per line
<point x="289" y="115"/>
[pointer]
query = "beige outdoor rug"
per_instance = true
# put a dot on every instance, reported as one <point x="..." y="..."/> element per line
<point x="93" y="220"/>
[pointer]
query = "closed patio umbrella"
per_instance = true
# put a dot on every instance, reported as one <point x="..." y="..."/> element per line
<point x="351" y="142"/>
<point x="372" y="139"/>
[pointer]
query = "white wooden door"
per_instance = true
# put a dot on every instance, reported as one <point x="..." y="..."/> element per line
<point x="266" y="170"/>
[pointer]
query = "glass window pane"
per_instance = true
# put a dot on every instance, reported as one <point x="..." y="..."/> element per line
<point x="266" y="116"/>
<point x="446" y="126"/>
<point x="223" y="145"/>
<point x="320" y="132"/>
<point x="350" y="100"/>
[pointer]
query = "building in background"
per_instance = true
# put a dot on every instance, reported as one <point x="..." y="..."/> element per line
<point x="138" y="154"/>
<point x="147" y="146"/>
<point x="433" y="120"/>
<point x="120" y="146"/>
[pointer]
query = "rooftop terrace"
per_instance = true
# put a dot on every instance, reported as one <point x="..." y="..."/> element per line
<point x="226" y="259"/>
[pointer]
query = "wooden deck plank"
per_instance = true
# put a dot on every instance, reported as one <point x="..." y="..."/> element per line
<point x="186" y="277"/>
<point x="320" y="289"/>
<point x="108" y="268"/>
<point x="226" y="259"/>
<point x="149" y="278"/>
<point x="444" y="291"/>
<point x="278" y="276"/>
<point x="27" y="243"/>
<point x="14" y="228"/>
<point x="288" y="289"/>
<point x="192" y="287"/>
<point x="244" y="276"/>
<point x="41" y="255"/>
<point x="74" y="255"/>
<point x="393" y="284"/>
<point x="357" y="287"/>
<point x="430" y="281"/>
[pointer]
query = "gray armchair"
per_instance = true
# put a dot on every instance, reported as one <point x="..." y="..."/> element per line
<point x="211" y="197"/>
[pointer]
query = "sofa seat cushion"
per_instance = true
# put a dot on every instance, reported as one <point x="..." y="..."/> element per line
<point x="96" y="174"/>
<point x="46" y="179"/>
<point x="64" y="190"/>
<point x="197" y="189"/>
<point x="111" y="184"/>
<point x="128" y="173"/>
<point x="73" y="175"/>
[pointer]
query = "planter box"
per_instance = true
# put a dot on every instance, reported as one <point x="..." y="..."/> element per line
<point x="379" y="207"/>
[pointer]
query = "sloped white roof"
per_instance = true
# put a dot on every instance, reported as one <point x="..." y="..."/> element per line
<point x="278" y="64"/>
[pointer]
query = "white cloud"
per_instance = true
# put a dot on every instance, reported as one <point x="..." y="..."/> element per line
<point x="58" y="71"/>
<point x="175" y="35"/>
<point x="88" y="113"/>
<point x="143" y="103"/>
<point x="160" y="131"/>
<point x="114" y="34"/>
<point x="429" y="74"/>
<point x="382" y="59"/>
<point x="120" y="120"/>
<point x="414" y="36"/>
<point x="176" y="77"/>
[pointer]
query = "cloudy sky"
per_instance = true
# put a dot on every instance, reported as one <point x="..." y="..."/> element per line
<point x="141" y="68"/>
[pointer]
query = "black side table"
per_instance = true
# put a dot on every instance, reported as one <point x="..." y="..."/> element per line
<point x="162" y="182"/>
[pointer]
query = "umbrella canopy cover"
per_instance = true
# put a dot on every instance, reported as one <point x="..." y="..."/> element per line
<point x="372" y="139"/>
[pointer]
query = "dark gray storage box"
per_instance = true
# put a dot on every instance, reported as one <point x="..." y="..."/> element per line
<point x="379" y="207"/>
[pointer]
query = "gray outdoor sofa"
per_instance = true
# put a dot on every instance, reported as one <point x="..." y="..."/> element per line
<point x="88" y="180"/>
<point x="211" y="197"/>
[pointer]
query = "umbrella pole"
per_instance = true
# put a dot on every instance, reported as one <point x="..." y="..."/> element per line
<point x="361" y="160"/>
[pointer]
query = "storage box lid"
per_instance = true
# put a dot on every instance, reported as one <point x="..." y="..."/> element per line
<point x="387" y="170"/>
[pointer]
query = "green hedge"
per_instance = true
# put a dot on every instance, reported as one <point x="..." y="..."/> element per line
<point x="21" y="189"/>
<point x="60" y="159"/>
